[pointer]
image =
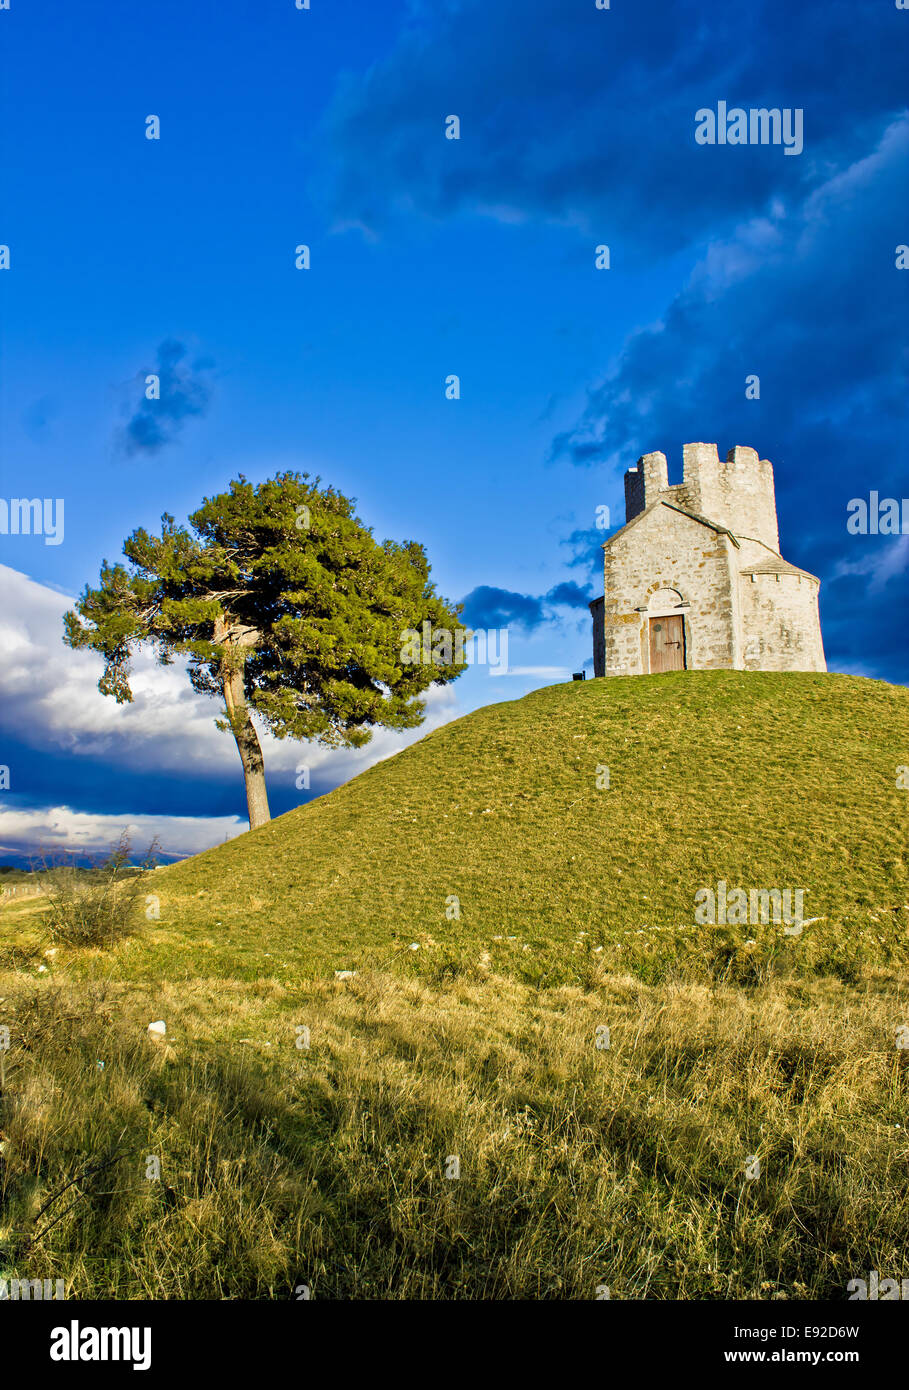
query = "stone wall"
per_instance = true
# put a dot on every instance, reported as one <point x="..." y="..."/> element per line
<point x="738" y="493"/>
<point x="665" y="549"/>
<point x="781" y="630"/>
<point x="599" y="637"/>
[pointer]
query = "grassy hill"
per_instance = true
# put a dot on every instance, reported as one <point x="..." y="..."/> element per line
<point x="305" y="1124"/>
<point x="760" y="780"/>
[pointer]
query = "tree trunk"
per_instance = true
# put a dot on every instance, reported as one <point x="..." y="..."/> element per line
<point x="244" y="731"/>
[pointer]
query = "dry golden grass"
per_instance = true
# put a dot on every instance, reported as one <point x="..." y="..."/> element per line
<point x="578" y="1166"/>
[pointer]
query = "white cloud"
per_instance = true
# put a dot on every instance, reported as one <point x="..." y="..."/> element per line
<point x="50" y="696"/>
<point x="58" y="828"/>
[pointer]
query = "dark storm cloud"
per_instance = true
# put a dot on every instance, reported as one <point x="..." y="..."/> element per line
<point x="488" y="607"/>
<point x="586" y="547"/>
<point x="185" y="391"/>
<point x="586" y="117"/>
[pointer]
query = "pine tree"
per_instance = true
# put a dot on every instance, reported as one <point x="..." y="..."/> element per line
<point x="285" y="606"/>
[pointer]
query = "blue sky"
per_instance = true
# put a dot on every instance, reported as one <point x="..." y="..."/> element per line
<point x="429" y="257"/>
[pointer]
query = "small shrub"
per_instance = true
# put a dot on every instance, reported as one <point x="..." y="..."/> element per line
<point x="95" y="906"/>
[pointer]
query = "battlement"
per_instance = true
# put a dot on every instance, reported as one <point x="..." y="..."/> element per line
<point x="737" y="493"/>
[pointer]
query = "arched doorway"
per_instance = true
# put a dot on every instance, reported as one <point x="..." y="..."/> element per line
<point x="666" y="631"/>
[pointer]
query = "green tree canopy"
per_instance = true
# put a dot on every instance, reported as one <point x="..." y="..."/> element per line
<point x="285" y="606"/>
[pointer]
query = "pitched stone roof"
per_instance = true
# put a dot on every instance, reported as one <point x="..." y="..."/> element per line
<point x="777" y="565"/>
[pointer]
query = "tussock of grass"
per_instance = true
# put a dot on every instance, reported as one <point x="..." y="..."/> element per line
<point x="77" y="905"/>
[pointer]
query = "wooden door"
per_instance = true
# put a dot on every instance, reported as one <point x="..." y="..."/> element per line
<point x="667" y="644"/>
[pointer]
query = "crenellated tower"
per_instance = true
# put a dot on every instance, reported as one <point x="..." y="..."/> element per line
<point x="695" y="578"/>
<point x="738" y="493"/>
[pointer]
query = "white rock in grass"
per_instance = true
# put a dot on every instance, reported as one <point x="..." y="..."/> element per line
<point x="158" y="1029"/>
<point x="345" y="974"/>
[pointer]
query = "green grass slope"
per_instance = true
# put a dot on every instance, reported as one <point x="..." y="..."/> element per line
<point x="762" y="780"/>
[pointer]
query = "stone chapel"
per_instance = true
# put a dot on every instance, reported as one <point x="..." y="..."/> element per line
<point x="695" y="579"/>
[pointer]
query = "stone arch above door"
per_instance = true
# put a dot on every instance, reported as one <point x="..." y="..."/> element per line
<point x="663" y="599"/>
